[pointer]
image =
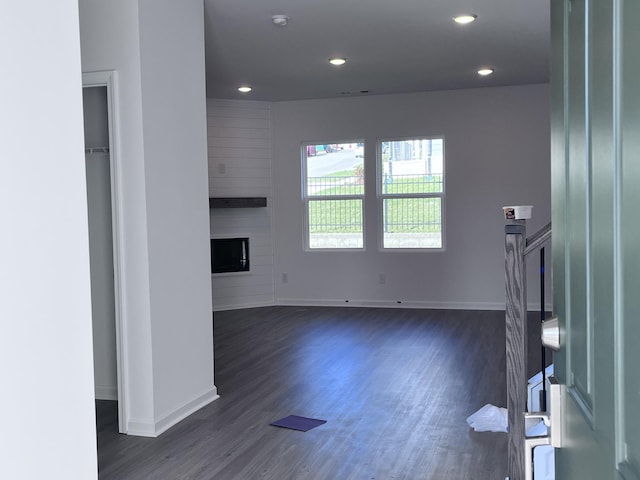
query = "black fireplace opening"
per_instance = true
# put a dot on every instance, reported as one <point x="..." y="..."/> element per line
<point x="229" y="255"/>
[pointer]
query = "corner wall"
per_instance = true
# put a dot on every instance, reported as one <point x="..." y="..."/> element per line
<point x="175" y="145"/>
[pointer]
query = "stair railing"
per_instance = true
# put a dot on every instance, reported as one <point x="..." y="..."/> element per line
<point x="517" y="247"/>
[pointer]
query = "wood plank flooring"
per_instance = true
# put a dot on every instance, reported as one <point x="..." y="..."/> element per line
<point x="395" y="386"/>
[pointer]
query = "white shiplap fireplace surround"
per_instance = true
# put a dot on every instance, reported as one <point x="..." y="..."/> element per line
<point x="240" y="156"/>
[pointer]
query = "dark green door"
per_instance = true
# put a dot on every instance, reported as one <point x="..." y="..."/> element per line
<point x="596" y="234"/>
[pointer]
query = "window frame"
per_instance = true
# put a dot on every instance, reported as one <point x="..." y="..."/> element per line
<point x="381" y="196"/>
<point x="307" y="199"/>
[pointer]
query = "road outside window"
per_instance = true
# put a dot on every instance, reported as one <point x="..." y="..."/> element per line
<point x="333" y="192"/>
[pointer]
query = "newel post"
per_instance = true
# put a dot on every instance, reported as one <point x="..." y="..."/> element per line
<point x="516" y="343"/>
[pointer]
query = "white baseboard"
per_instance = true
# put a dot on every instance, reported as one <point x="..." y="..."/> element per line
<point x="106" y="392"/>
<point x="401" y="304"/>
<point x="307" y="302"/>
<point x="392" y="304"/>
<point x="155" y="427"/>
<point x="242" y="306"/>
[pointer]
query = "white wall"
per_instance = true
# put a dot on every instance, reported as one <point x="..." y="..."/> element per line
<point x="497" y="153"/>
<point x="157" y="51"/>
<point x="175" y="145"/>
<point x="240" y="155"/>
<point x="48" y="426"/>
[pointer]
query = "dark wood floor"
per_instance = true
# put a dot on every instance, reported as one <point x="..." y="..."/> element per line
<point x="394" y="385"/>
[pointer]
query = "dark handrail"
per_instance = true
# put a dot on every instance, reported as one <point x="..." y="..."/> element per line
<point x="535" y="241"/>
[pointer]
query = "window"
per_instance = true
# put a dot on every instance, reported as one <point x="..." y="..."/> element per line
<point x="333" y="193"/>
<point x="411" y="192"/>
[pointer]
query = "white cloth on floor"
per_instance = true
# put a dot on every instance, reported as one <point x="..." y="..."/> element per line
<point x="489" y="419"/>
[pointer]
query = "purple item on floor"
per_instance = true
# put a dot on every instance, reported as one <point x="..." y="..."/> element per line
<point x="298" y="423"/>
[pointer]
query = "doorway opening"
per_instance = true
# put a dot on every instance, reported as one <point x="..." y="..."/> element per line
<point x="103" y="204"/>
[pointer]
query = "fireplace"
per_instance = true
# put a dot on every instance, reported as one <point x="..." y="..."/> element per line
<point x="230" y="255"/>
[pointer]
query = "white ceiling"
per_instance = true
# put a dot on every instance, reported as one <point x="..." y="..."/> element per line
<point x="392" y="46"/>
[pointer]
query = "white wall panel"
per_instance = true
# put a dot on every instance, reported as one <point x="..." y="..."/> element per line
<point x="175" y="166"/>
<point x="235" y="132"/>
<point x="242" y="109"/>
<point x="240" y="157"/>
<point x="246" y="142"/>
<point x="237" y="122"/>
<point x="263" y="153"/>
<point x="46" y="361"/>
<point x="242" y="172"/>
<point x="255" y="185"/>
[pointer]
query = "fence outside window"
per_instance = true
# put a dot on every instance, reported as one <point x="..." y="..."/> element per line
<point x="411" y="193"/>
<point x="334" y="195"/>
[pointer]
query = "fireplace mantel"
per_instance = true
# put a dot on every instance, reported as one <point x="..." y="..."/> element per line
<point x="237" y="202"/>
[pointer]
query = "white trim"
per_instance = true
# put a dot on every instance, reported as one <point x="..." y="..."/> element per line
<point x="108" y="79"/>
<point x="154" y="427"/>
<point x="427" y="305"/>
<point x="244" y="305"/>
<point x="393" y="304"/>
<point x="531" y="307"/>
<point x="140" y="428"/>
<point x="106" y="392"/>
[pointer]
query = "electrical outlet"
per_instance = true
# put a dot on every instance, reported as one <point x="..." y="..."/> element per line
<point x="222" y="168"/>
<point x="382" y="278"/>
<point x="285" y="278"/>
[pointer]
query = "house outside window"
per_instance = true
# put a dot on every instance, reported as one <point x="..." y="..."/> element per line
<point x="411" y="192"/>
<point x="333" y="195"/>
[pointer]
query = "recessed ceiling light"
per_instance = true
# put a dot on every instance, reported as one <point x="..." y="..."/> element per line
<point x="464" y="19"/>
<point x="484" y="71"/>
<point x="337" y="61"/>
<point x="244" y="89"/>
<point x="280" y="20"/>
